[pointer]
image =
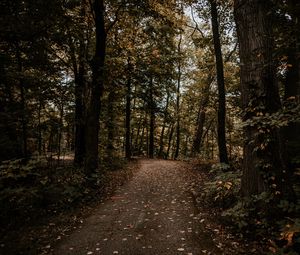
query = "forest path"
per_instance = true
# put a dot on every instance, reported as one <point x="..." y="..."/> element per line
<point x="153" y="213"/>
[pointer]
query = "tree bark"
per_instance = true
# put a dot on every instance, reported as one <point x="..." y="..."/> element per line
<point x="95" y="91"/>
<point x="223" y="157"/>
<point x="263" y="147"/>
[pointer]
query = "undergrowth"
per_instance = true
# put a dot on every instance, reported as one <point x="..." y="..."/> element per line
<point x="275" y="223"/>
<point x="36" y="188"/>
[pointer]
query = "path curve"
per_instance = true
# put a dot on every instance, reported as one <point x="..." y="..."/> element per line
<point x="153" y="214"/>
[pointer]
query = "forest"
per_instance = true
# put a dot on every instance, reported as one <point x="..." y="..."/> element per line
<point x="98" y="96"/>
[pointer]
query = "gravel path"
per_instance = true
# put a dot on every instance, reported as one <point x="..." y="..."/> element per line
<point x="153" y="214"/>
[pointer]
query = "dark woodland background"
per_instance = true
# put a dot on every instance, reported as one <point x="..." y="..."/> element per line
<point x="87" y="85"/>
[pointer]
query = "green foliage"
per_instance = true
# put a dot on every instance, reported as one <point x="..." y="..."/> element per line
<point x="254" y="215"/>
<point x="266" y="121"/>
<point x="30" y="189"/>
<point x="224" y="187"/>
<point x="238" y="214"/>
<point x="248" y="213"/>
<point x="263" y="216"/>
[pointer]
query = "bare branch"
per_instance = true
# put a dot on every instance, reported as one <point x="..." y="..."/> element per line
<point x="110" y="26"/>
<point x="196" y="23"/>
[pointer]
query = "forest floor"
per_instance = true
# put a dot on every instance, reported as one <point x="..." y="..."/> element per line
<point x="155" y="212"/>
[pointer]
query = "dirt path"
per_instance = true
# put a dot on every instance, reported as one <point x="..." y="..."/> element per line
<point x="153" y="213"/>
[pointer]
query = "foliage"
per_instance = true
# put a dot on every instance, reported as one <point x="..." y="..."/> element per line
<point x="281" y="118"/>
<point x="254" y="215"/>
<point x="224" y="187"/>
<point x="31" y="189"/>
<point x="262" y="216"/>
<point x="289" y="240"/>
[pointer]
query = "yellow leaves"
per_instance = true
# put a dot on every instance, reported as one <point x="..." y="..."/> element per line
<point x="166" y="10"/>
<point x="288" y="236"/>
<point x="228" y="185"/>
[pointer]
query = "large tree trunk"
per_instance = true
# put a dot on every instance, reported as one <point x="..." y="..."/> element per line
<point x="263" y="146"/>
<point x="95" y="91"/>
<point x="221" y="86"/>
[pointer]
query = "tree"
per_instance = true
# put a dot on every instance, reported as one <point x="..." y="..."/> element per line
<point x="179" y="74"/>
<point x="95" y="90"/>
<point x="264" y="165"/>
<point x="221" y="84"/>
<point x="80" y="70"/>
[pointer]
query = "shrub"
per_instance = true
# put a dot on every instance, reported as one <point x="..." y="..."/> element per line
<point x="224" y="188"/>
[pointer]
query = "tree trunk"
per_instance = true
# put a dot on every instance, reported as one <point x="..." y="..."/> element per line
<point x="128" y="114"/>
<point x="178" y="101"/>
<point x="260" y="96"/>
<point x="79" y="115"/>
<point x="79" y="73"/>
<point x="141" y="144"/>
<point x="110" y="148"/>
<point x="221" y="86"/>
<point x="161" y="142"/>
<point x="60" y="130"/>
<point x="171" y="128"/>
<point x="136" y="142"/>
<point x="201" y="118"/>
<point x="152" y="120"/>
<point x="95" y="91"/>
